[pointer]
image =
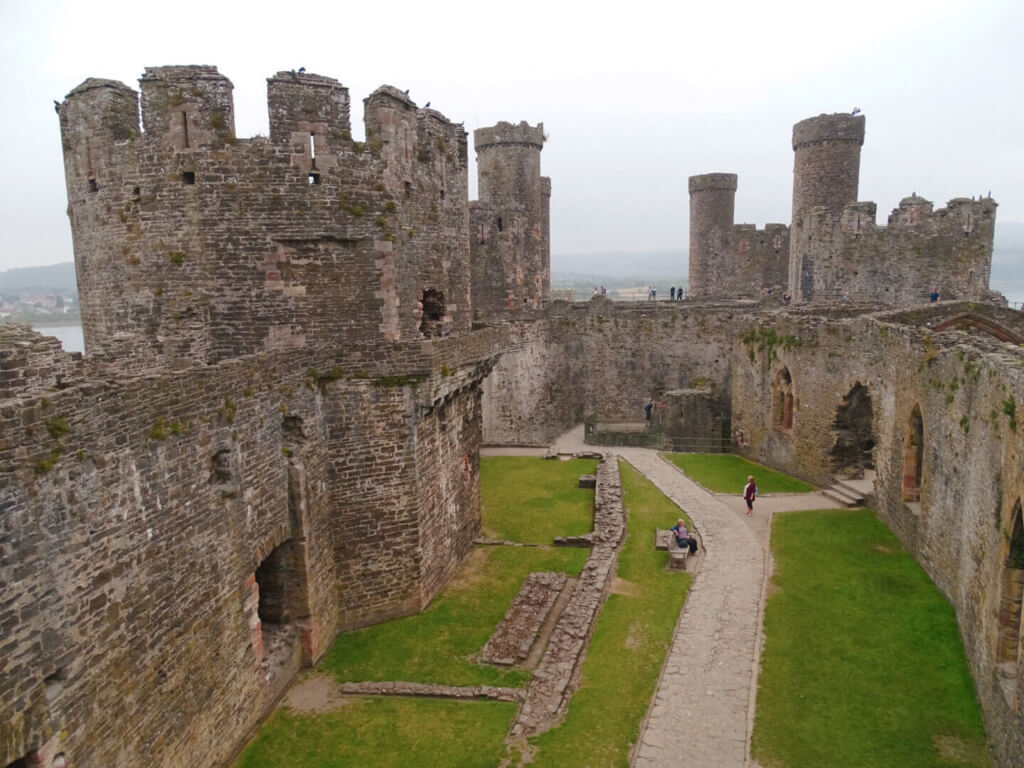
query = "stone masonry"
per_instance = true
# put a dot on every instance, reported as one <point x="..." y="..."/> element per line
<point x="274" y="435"/>
<point x="296" y="345"/>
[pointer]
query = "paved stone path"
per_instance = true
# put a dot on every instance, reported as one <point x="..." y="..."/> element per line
<point x="701" y="714"/>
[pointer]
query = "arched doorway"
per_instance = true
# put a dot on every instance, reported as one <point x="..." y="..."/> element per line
<point x="854" y="434"/>
<point x="913" y="456"/>
<point x="1010" y="599"/>
<point x="782" y="400"/>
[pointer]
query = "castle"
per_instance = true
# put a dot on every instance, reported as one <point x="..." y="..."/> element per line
<point x="297" y="344"/>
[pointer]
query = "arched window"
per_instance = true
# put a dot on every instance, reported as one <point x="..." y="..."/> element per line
<point x="1010" y="599"/>
<point x="913" y="456"/>
<point x="782" y="400"/>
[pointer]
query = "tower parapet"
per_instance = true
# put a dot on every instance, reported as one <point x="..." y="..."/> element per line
<point x="193" y="246"/>
<point x="838" y="251"/>
<point x="511" y="248"/>
<point x="187" y="107"/>
<point x="826" y="169"/>
<point x="726" y="259"/>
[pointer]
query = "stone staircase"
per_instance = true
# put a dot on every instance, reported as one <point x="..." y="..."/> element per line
<point x="852" y="493"/>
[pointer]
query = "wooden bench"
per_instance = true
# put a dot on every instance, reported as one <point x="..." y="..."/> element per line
<point x="666" y="540"/>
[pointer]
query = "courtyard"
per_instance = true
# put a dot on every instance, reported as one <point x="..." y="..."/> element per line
<point x="802" y="636"/>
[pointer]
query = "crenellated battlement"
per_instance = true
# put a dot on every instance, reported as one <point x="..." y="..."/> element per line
<point x="509" y="133"/>
<point x="194" y="246"/>
<point x="709" y="182"/>
<point x="838" y="128"/>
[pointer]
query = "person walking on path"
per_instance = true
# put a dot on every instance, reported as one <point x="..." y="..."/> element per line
<point x="749" y="494"/>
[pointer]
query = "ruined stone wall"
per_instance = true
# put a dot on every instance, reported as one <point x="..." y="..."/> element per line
<point x="510" y="224"/>
<point x="604" y="360"/>
<point x="194" y="246"/>
<point x="967" y="386"/>
<point x="534" y="392"/>
<point x="726" y="260"/>
<point x="139" y="512"/>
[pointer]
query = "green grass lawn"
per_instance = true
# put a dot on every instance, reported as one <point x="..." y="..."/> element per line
<point x="533" y="500"/>
<point x="863" y="664"/>
<point x="632" y="635"/>
<point x="438" y="645"/>
<point x="725" y="473"/>
<point x="386" y="732"/>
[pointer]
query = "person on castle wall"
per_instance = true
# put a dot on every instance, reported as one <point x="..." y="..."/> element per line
<point x="846" y="295"/>
<point x="934" y="295"/>
<point x="649" y="411"/>
<point x="672" y="293"/>
<point x="683" y="537"/>
<point x="786" y="298"/>
<point x="749" y="494"/>
<point x="604" y="291"/>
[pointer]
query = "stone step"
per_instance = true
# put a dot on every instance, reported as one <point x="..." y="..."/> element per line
<point x="857" y="488"/>
<point x="843" y="497"/>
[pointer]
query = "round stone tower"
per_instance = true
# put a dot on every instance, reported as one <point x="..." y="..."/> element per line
<point x="827" y="165"/>
<point x="712" y="207"/>
<point x="513" y="258"/>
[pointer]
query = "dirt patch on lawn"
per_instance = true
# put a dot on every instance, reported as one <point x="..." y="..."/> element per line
<point x="623" y="587"/>
<point x="957" y="750"/>
<point x="882" y="548"/>
<point x="317" y="693"/>
<point x="471" y="569"/>
<point x="771" y="588"/>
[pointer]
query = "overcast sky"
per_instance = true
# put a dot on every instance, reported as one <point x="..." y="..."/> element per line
<point x="635" y="97"/>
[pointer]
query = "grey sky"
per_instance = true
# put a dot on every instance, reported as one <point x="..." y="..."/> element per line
<point x="635" y="97"/>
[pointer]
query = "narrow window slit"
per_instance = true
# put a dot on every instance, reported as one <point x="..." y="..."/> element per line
<point x="188" y="177"/>
<point x="184" y="128"/>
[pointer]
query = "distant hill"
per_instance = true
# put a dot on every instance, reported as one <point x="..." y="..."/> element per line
<point x="48" y="279"/>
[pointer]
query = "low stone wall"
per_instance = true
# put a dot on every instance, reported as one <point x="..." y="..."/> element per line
<point x="557" y="675"/>
<point x="517" y="631"/>
<point x="494" y="693"/>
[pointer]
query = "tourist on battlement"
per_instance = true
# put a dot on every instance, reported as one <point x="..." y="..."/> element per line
<point x="934" y="295"/>
<point x="672" y="293"/>
<point x="683" y="537"/>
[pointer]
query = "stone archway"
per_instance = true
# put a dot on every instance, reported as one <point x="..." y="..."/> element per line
<point x="913" y="456"/>
<point x="1011" y="597"/>
<point x="853" y="429"/>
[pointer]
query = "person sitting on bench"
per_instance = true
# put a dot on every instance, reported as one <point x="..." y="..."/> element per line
<point x="683" y="537"/>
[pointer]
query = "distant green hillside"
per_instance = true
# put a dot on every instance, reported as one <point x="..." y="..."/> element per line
<point x="48" y="279"/>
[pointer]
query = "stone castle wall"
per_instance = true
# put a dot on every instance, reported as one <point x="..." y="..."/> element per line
<point x="965" y="385"/>
<point x="837" y="249"/>
<point x="138" y="513"/>
<point x="733" y="261"/>
<point x="275" y="434"/>
<point x="195" y="246"/>
<point x="600" y="359"/>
